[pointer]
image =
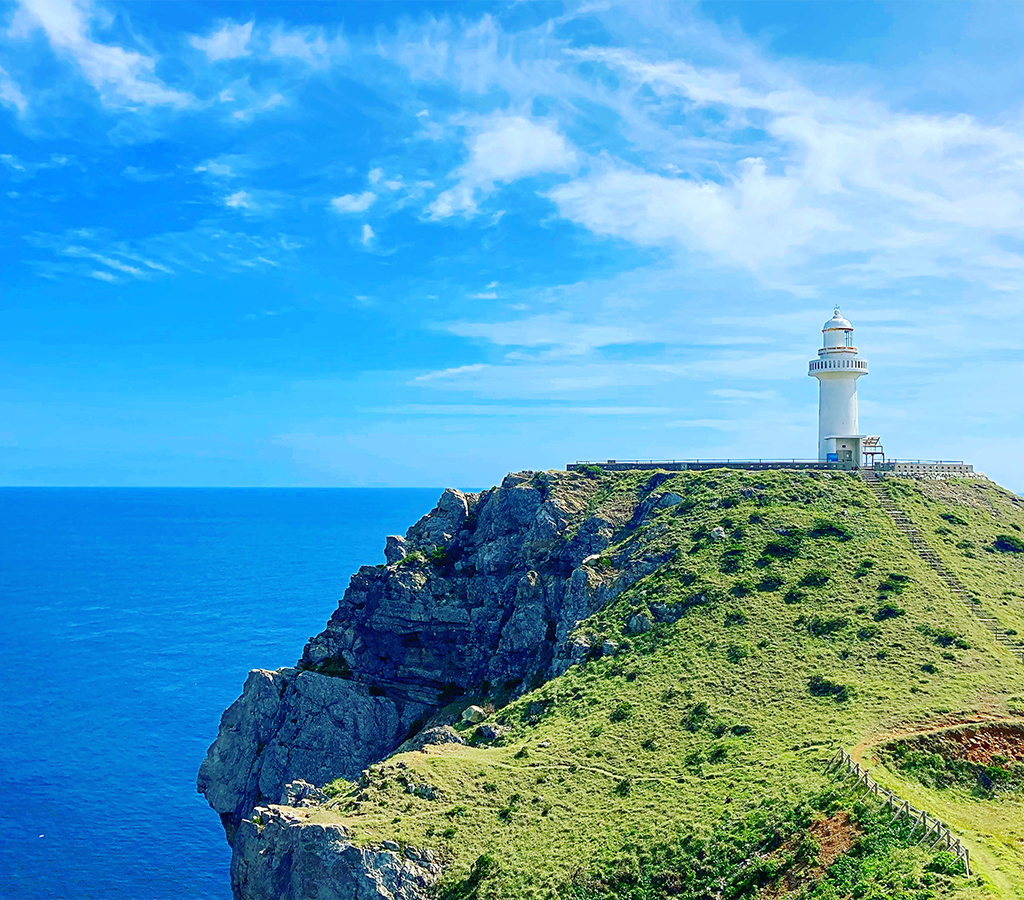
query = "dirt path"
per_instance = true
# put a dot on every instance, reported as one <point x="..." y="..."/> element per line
<point x="940" y="723"/>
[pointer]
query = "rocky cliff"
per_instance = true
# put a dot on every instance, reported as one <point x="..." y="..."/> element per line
<point x="483" y="592"/>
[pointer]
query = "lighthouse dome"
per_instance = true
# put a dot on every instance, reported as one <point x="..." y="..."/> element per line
<point x="838" y="322"/>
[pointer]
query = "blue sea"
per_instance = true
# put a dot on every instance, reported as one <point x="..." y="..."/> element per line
<point x="128" y="621"/>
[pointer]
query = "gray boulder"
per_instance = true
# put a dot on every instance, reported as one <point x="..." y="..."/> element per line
<point x="278" y="855"/>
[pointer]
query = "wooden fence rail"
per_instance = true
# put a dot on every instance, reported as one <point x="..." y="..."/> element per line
<point x="941" y="837"/>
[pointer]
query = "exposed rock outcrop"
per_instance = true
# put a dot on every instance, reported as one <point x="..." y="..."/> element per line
<point x="487" y="589"/>
<point x="279" y="855"/>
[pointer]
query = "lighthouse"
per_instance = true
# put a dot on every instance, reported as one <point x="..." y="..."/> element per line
<point x="837" y="369"/>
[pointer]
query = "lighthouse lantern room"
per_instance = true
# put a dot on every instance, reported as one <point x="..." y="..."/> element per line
<point x="837" y="369"/>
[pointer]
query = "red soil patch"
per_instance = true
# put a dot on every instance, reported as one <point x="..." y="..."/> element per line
<point x="835" y="835"/>
<point x="975" y="743"/>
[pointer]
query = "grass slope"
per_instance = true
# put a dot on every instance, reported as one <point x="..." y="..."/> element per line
<point x="793" y="617"/>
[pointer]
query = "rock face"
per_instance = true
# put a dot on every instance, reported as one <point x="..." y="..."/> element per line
<point x="278" y="855"/>
<point x="485" y="589"/>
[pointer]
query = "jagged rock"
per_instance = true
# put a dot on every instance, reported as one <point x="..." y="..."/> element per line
<point x="638" y="624"/>
<point x="718" y="533"/>
<point x="473" y="714"/>
<point x="496" y="595"/>
<point x="441" y="734"/>
<point x="301" y="793"/>
<point x="669" y="499"/>
<point x="609" y="648"/>
<point x="279" y="856"/>
<point x="291" y="724"/>
<point x="489" y="732"/>
<point x="395" y="549"/>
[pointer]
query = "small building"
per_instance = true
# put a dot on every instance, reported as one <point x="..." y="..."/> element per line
<point x="837" y="369"/>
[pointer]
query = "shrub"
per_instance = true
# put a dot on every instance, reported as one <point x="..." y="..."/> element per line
<point x="815" y="578"/>
<point x="868" y="632"/>
<point x="717" y="753"/>
<point x="820" y="686"/>
<point x="894" y="583"/>
<point x="737" y="652"/>
<point x="820" y="627"/>
<point x="731" y="561"/>
<point x="888" y="611"/>
<point x="825" y="529"/>
<point x="863" y="567"/>
<point x="929" y="668"/>
<point x="794" y="596"/>
<point x="591" y="471"/>
<point x="770" y="583"/>
<point x="696" y="717"/>
<point x="621" y="712"/>
<point x="735" y="617"/>
<point x="624" y="786"/>
<point x="785" y="547"/>
<point x="952" y="518"/>
<point x="740" y="589"/>
<point x="1008" y="543"/>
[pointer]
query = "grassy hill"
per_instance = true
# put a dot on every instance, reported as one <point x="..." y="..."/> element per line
<point x="685" y="756"/>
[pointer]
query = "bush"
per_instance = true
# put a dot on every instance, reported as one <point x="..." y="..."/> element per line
<point x="1008" y="543"/>
<point x="794" y="596"/>
<point x="731" y="561"/>
<point x="770" y="583"/>
<point x="591" y="471"/>
<point x="952" y="518"/>
<point x="786" y="547"/>
<point x="820" y="686"/>
<point x="894" y="583"/>
<point x="825" y="529"/>
<point x="816" y="578"/>
<point x="868" y="632"/>
<point x="696" y="717"/>
<point x="888" y="611"/>
<point x="737" y="652"/>
<point x="820" y="627"/>
<point x="740" y="589"/>
<point x="621" y="712"/>
<point x="735" y="617"/>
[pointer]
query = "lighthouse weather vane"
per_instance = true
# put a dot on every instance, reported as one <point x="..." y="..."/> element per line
<point x="837" y="369"/>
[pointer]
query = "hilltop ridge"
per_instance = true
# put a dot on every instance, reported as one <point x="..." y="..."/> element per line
<point x="663" y="664"/>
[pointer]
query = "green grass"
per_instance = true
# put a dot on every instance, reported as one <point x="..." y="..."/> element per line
<point x="723" y="715"/>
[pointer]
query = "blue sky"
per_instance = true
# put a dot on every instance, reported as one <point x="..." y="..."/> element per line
<point x="426" y="244"/>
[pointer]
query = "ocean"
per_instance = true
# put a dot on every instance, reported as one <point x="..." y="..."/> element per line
<point x="128" y="621"/>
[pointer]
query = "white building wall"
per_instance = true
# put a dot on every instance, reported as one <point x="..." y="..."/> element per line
<point x="837" y="408"/>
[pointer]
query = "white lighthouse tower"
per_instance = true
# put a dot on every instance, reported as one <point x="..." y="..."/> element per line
<point x="837" y="369"/>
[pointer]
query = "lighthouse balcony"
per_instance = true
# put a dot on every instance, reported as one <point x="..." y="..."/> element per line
<point x="853" y="366"/>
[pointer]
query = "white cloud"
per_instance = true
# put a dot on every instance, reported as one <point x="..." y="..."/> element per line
<point x="354" y="203"/>
<point x="308" y="46"/>
<point x="122" y="77"/>
<point x="230" y="41"/>
<point x="484" y="295"/>
<point x="503" y="148"/>
<point x="240" y="200"/>
<point x="102" y="276"/>
<point x="368" y="235"/>
<point x="550" y="331"/>
<point x="11" y="95"/>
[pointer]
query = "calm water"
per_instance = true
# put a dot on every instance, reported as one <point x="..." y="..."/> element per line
<point x="128" y="621"/>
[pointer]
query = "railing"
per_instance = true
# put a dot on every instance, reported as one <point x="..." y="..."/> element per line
<point x="843" y="762"/>
<point x="629" y="462"/>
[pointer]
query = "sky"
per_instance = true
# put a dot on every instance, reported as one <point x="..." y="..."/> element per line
<point x="396" y="244"/>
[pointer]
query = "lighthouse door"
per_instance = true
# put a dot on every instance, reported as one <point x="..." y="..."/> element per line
<point x="846" y="455"/>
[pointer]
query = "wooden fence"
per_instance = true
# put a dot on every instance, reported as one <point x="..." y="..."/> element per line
<point x="942" y="838"/>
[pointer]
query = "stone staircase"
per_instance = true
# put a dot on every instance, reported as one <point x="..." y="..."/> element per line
<point x="923" y="549"/>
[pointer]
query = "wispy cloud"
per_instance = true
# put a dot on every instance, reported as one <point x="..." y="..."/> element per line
<point x="230" y="41"/>
<point x="122" y="77"/>
<point x="10" y="93"/>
